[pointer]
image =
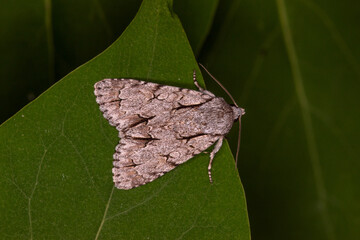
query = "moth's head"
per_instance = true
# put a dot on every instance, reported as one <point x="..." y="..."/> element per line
<point x="238" y="112"/>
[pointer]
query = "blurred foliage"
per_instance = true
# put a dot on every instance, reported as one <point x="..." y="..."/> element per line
<point x="293" y="65"/>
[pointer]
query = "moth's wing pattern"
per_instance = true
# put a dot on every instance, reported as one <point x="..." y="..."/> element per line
<point x="137" y="162"/>
<point x="143" y="113"/>
<point x="126" y="102"/>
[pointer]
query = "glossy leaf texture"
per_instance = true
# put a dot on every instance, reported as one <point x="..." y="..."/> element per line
<point x="294" y="66"/>
<point x="56" y="155"/>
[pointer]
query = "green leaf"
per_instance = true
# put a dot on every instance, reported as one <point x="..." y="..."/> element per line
<point x="56" y="155"/>
<point x="296" y="66"/>
<point x="42" y="41"/>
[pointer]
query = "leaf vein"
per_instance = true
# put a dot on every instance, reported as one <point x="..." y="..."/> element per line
<point x="105" y="213"/>
<point x="143" y="202"/>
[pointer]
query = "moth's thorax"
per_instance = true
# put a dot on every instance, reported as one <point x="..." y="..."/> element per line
<point x="214" y="117"/>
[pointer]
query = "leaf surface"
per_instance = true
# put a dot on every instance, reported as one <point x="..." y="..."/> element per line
<point x="56" y="156"/>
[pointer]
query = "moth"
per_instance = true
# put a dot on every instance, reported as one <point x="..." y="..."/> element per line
<point x="161" y="126"/>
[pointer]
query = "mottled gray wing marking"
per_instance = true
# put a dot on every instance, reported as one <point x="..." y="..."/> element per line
<point x="125" y="102"/>
<point x="156" y="127"/>
<point x="137" y="162"/>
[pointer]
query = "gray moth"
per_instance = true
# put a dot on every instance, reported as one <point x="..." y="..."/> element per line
<point x="161" y="126"/>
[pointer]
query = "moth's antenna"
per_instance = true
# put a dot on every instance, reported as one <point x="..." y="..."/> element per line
<point x="242" y="110"/>
<point x="227" y="92"/>
<point x="239" y="137"/>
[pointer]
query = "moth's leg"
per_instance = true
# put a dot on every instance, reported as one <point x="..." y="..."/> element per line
<point x="212" y="155"/>
<point x="197" y="83"/>
<point x="199" y="87"/>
